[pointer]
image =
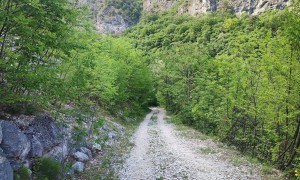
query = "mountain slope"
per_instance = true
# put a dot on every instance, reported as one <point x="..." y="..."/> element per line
<point x="232" y="76"/>
<point x="201" y="7"/>
<point x="113" y="16"/>
<point x="116" y="16"/>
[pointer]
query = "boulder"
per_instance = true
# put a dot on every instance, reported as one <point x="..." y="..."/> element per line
<point x="78" y="167"/>
<point x="96" y="147"/>
<point x="6" y="172"/>
<point x="14" y="144"/>
<point x="36" y="147"/>
<point x="79" y="156"/>
<point x="1" y="136"/>
<point x="15" y="164"/>
<point x="44" y="130"/>
<point x="23" y="121"/>
<point x="58" y="153"/>
<point x="1" y="152"/>
<point x="86" y="151"/>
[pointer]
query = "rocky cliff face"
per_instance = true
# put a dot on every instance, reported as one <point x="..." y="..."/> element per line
<point x="113" y="16"/>
<point x="200" y="7"/>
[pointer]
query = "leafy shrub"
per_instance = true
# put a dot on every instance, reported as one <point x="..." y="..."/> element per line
<point x="99" y="123"/>
<point x="26" y="108"/>
<point x="46" y="168"/>
<point x="22" y="174"/>
<point x="79" y="134"/>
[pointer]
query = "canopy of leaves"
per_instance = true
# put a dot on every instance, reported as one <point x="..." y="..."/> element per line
<point x="49" y="54"/>
<point x="235" y="77"/>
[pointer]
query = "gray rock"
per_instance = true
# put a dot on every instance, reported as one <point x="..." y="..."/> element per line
<point x="1" y="136"/>
<point x="14" y="143"/>
<point x="44" y="130"/>
<point x="6" y="172"/>
<point x="27" y="163"/>
<point x="29" y="172"/>
<point x="96" y="147"/>
<point x="196" y="7"/>
<point x="36" y="148"/>
<point x="58" y="153"/>
<point x="15" y="164"/>
<point x="104" y="128"/>
<point x="78" y="167"/>
<point x="112" y="135"/>
<point x="86" y="151"/>
<point x="81" y="157"/>
<point x="23" y="121"/>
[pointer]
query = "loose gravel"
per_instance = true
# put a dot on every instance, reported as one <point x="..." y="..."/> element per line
<point x="161" y="152"/>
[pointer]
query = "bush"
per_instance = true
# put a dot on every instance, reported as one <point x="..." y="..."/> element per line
<point x="46" y="168"/>
<point x="22" y="174"/>
<point x="26" y="108"/>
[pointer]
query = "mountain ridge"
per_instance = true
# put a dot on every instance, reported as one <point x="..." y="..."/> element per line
<point x="201" y="7"/>
<point x="116" y="16"/>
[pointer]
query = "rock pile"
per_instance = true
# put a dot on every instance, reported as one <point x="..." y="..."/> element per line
<point x="21" y="143"/>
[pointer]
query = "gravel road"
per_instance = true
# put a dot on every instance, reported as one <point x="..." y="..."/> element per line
<point x="161" y="152"/>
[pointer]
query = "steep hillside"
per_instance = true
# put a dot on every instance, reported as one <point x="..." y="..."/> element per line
<point x="113" y="16"/>
<point x="232" y="76"/>
<point x="200" y="7"/>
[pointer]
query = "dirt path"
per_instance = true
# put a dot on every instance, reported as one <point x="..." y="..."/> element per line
<point x="160" y="152"/>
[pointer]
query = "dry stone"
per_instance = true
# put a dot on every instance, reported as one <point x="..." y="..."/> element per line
<point x="87" y="152"/>
<point x="80" y="156"/>
<point x="44" y="132"/>
<point x="58" y="153"/>
<point x="1" y="136"/>
<point x="6" y="172"/>
<point x="78" y="166"/>
<point x="14" y="143"/>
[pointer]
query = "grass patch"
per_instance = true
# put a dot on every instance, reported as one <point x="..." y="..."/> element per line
<point x="46" y="168"/>
<point x="181" y="127"/>
<point x="252" y="160"/>
<point x="188" y="132"/>
<point x="191" y="134"/>
<point x="221" y="145"/>
<point x="267" y="169"/>
<point x="207" y="150"/>
<point x="153" y="119"/>
<point x="237" y="161"/>
<point x="152" y="122"/>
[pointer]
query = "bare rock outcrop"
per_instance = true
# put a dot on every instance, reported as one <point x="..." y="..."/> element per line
<point x="6" y="172"/>
<point x="22" y="142"/>
<point x="44" y="135"/>
<point x="201" y="7"/>
<point x="14" y="144"/>
<point x="113" y="17"/>
<point x="1" y="135"/>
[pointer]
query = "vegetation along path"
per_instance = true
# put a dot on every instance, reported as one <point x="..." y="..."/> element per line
<point x="162" y="152"/>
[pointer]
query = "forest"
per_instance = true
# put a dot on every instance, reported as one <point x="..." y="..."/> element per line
<point x="234" y="77"/>
<point x="51" y="55"/>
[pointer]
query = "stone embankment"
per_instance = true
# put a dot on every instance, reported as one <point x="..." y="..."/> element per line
<point x="23" y="139"/>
